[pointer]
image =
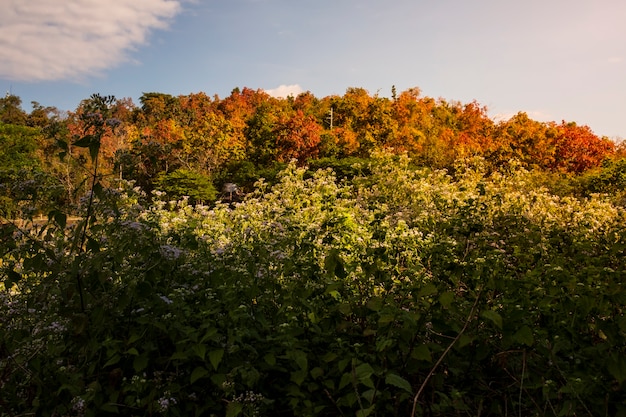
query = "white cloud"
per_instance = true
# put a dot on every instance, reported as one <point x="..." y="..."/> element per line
<point x="284" y="91"/>
<point x="537" y="115"/>
<point x="615" y="60"/>
<point x="69" y="39"/>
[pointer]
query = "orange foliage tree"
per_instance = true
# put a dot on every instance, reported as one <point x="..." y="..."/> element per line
<point x="297" y="137"/>
<point x="578" y="149"/>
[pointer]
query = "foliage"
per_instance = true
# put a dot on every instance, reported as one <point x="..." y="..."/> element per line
<point x="25" y="188"/>
<point x="184" y="183"/>
<point x="403" y="291"/>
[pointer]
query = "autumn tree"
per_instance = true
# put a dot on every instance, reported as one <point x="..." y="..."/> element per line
<point x="523" y="139"/>
<point x="297" y="137"/>
<point x="578" y="149"/>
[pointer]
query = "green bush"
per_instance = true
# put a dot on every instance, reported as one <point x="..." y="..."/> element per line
<point x="406" y="292"/>
<point x="185" y="183"/>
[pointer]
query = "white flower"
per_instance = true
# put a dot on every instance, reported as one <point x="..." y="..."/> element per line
<point x="165" y="299"/>
<point x="170" y="252"/>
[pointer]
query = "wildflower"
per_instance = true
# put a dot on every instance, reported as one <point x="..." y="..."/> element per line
<point x="170" y="252"/>
<point x="165" y="299"/>
<point x="165" y="403"/>
<point x="78" y="405"/>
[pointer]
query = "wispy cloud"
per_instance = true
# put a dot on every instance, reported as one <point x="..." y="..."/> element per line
<point x="615" y="60"/>
<point x="537" y="115"/>
<point x="70" y="39"/>
<point x="284" y="91"/>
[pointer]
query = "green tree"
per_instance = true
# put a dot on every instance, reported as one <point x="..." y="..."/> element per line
<point x="186" y="183"/>
<point x="11" y="110"/>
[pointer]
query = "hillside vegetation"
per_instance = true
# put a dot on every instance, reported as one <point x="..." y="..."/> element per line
<point x="370" y="280"/>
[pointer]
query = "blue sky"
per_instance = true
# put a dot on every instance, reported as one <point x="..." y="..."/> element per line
<point x="554" y="59"/>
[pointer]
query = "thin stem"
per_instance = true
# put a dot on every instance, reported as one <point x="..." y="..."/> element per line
<point x="83" y="237"/>
<point x="443" y="355"/>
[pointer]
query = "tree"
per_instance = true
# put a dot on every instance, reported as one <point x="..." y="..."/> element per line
<point x="185" y="183"/>
<point x="578" y="149"/>
<point x="11" y="110"/>
<point x="297" y="137"/>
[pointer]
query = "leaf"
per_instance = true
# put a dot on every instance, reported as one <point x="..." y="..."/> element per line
<point x="398" y="381"/>
<point x="200" y="350"/>
<point x="83" y="142"/>
<point x="12" y="278"/>
<point x="375" y="303"/>
<point x="233" y="409"/>
<point x="59" y="217"/>
<point x="94" y="149"/>
<point x="345" y="379"/>
<point x="179" y="356"/>
<point x="363" y="371"/>
<point x="298" y="377"/>
<point x="299" y="357"/>
<point x="109" y="408"/>
<point x="493" y="316"/>
<point x="317" y="372"/>
<point x="199" y="372"/>
<point x="617" y="367"/>
<point x="140" y="363"/>
<point x="421" y="353"/>
<point x="334" y="264"/>
<point x="215" y="357"/>
<point x="524" y="336"/>
<point x="464" y="340"/>
<point x="270" y="359"/>
<point x="93" y="245"/>
<point x="429" y="289"/>
<point x="365" y="412"/>
<point x="446" y="299"/>
<point x="114" y="359"/>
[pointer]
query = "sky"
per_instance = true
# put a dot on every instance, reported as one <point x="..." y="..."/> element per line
<point x="553" y="59"/>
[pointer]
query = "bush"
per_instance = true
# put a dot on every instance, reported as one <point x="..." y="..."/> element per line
<point x="405" y="293"/>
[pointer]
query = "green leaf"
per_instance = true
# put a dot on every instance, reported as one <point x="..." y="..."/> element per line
<point x="446" y="299"/>
<point x="109" y="408"/>
<point x="179" y="356"/>
<point x="199" y="372"/>
<point x="59" y="218"/>
<point x="365" y="412"/>
<point x="375" y="303"/>
<point x="464" y="340"/>
<point x="369" y="395"/>
<point x="299" y="357"/>
<point x="233" y="409"/>
<point x="298" y="377"/>
<point x="132" y="351"/>
<point x="429" y="289"/>
<point x="94" y="148"/>
<point x="317" y="372"/>
<point x="345" y="379"/>
<point x="270" y="359"/>
<point x="421" y="353"/>
<point x="114" y="359"/>
<point x="493" y="316"/>
<point x="363" y="371"/>
<point x="141" y="362"/>
<point x="524" y="336"/>
<point x="12" y="278"/>
<point x="398" y="381"/>
<point x="93" y="245"/>
<point x="200" y="351"/>
<point x="215" y="357"/>
<point x="617" y="367"/>
<point x="84" y="142"/>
